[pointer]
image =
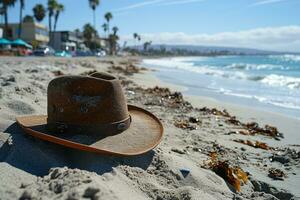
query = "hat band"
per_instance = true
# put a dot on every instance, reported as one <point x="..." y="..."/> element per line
<point x="98" y="129"/>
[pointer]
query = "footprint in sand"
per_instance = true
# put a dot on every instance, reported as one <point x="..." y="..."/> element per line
<point x="20" y="107"/>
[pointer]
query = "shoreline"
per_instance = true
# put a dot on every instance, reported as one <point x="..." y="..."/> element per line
<point x="285" y="123"/>
<point x="250" y="84"/>
<point x="191" y="136"/>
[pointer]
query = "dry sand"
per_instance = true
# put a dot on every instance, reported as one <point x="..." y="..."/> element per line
<point x="34" y="169"/>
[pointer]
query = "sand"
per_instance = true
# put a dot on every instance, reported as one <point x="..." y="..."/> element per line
<point x="34" y="169"/>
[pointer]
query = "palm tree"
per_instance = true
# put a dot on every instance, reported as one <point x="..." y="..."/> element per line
<point x="52" y="4"/>
<point x="28" y="18"/>
<point x="89" y="34"/>
<point x="113" y="39"/>
<point x="105" y="28"/>
<point x="22" y="5"/>
<point x="59" y="8"/>
<point x="93" y="5"/>
<point x="135" y="37"/>
<point x="115" y="30"/>
<point x="108" y="16"/>
<point x="5" y="5"/>
<point x="39" y="12"/>
<point x="146" y="45"/>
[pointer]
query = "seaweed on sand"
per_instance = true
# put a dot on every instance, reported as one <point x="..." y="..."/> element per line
<point x="235" y="176"/>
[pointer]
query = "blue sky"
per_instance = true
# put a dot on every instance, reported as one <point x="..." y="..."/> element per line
<point x="264" y="24"/>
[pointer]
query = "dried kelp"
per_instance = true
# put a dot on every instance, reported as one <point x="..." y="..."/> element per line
<point x="129" y="69"/>
<point x="164" y="97"/>
<point x="184" y="124"/>
<point x="235" y="176"/>
<point x="215" y="111"/>
<point x="276" y="174"/>
<point x="251" y="128"/>
<point x="257" y="144"/>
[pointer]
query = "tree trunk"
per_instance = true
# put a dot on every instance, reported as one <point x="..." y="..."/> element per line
<point x="5" y="22"/>
<point x="50" y="24"/>
<point x="55" y="22"/>
<point x="20" y="24"/>
<point x="108" y="27"/>
<point x="94" y="18"/>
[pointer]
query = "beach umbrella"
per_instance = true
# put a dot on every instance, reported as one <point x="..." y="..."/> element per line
<point x="19" y="42"/>
<point x="4" y="41"/>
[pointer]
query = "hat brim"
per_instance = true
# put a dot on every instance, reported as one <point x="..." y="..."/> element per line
<point x="145" y="133"/>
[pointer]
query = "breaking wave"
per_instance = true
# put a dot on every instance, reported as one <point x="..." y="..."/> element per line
<point x="188" y="65"/>
<point x="182" y="64"/>
<point x="282" y="81"/>
<point x="246" y="66"/>
<point x="291" y="103"/>
<point x="286" y="57"/>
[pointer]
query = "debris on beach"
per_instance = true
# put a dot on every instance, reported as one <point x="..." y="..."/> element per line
<point x="257" y="144"/>
<point x="277" y="174"/>
<point x="194" y="120"/>
<point x="251" y="128"/>
<point x="184" y="124"/>
<point x="214" y="111"/>
<point x="176" y="150"/>
<point x="164" y="97"/>
<point x="184" y="172"/>
<point x="268" y="130"/>
<point x="233" y="120"/>
<point x="58" y="73"/>
<point x="129" y="69"/>
<point x="235" y="176"/>
<point x="286" y="157"/>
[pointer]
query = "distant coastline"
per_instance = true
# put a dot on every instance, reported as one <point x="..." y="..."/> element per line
<point x="163" y="50"/>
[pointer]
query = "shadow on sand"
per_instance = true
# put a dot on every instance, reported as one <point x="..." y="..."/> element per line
<point x="37" y="157"/>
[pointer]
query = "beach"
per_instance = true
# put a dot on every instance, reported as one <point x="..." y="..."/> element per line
<point x="200" y="137"/>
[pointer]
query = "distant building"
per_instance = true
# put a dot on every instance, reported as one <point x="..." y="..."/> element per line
<point x="103" y="42"/>
<point x="65" y="40"/>
<point x="33" y="33"/>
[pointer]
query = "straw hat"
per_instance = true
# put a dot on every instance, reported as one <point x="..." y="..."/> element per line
<point x="90" y="113"/>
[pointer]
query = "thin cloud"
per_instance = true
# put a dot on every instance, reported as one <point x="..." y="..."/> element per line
<point x="156" y="3"/>
<point x="285" y="38"/>
<point x="180" y="2"/>
<point x="264" y="2"/>
<point x="139" y="5"/>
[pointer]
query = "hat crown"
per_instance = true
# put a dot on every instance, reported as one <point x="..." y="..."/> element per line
<point x="97" y="99"/>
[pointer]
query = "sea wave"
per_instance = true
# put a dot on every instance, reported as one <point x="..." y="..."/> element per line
<point x="184" y="64"/>
<point x="291" y="102"/>
<point x="282" y="81"/>
<point x="188" y="65"/>
<point x="286" y="57"/>
<point x="246" y="66"/>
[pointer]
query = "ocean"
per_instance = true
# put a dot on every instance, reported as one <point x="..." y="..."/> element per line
<point x="269" y="82"/>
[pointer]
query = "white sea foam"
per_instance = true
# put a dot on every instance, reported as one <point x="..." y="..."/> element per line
<point x="291" y="102"/>
<point x="287" y="57"/>
<point x="246" y="66"/>
<point x="282" y="81"/>
<point x="187" y="65"/>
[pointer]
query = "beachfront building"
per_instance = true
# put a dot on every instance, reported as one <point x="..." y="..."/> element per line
<point x="65" y="40"/>
<point x="32" y="33"/>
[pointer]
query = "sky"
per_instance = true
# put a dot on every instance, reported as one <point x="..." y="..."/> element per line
<point x="261" y="24"/>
